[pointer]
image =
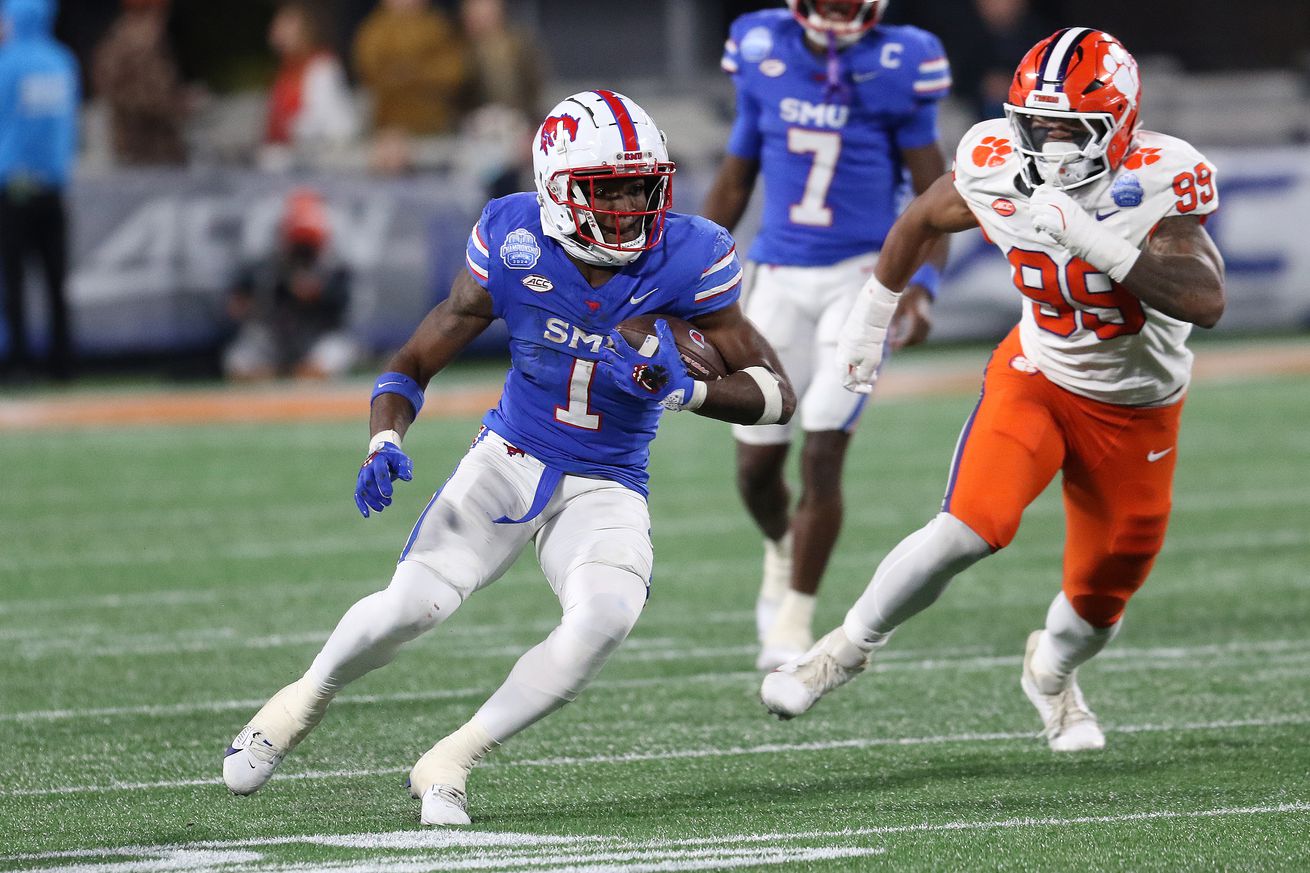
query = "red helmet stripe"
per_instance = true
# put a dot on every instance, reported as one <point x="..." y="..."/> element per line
<point x="626" y="127"/>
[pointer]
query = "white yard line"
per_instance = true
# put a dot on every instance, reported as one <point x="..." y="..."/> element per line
<point x="456" y="849"/>
<point x="1119" y="659"/>
<point x="683" y="754"/>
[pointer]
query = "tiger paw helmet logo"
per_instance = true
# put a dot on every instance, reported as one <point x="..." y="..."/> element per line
<point x="991" y="152"/>
<point x="1142" y="158"/>
<point x="553" y="126"/>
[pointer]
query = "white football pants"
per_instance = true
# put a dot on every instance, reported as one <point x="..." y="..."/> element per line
<point x="593" y="544"/>
<point x="800" y="311"/>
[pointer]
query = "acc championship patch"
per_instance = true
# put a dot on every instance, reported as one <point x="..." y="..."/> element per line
<point x="520" y="250"/>
<point x="1127" y="191"/>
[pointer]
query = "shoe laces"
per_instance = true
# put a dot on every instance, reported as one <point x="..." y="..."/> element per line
<point x="260" y="747"/>
<point x="451" y="795"/>
<point x="822" y="673"/>
<point x="1066" y="711"/>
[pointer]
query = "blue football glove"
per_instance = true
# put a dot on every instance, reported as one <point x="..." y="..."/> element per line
<point x="661" y="377"/>
<point x="382" y="467"/>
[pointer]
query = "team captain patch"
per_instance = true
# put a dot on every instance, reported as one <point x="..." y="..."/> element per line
<point x="520" y="250"/>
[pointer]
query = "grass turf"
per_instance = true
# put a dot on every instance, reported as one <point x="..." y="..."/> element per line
<point x="159" y="584"/>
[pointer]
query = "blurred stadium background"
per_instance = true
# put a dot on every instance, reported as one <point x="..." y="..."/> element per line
<point x="155" y="249"/>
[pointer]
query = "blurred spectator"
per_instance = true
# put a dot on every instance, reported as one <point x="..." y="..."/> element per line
<point x="136" y="75"/>
<point x="411" y="59"/>
<point x="39" y="98"/>
<point x="310" y="107"/>
<point x="508" y="67"/>
<point x="291" y="305"/>
<point x="986" y="45"/>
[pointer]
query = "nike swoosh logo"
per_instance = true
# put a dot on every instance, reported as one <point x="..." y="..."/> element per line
<point x="1102" y="216"/>
<point x="634" y="299"/>
<point x="1152" y="457"/>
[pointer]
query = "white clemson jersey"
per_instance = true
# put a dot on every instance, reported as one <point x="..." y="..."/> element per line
<point x="1081" y="329"/>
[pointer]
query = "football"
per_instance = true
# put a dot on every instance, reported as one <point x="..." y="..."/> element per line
<point x="703" y="360"/>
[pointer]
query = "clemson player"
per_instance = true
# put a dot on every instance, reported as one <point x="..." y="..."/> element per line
<point x="1102" y="225"/>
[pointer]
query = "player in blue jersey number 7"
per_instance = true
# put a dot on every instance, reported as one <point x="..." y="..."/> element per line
<point x="561" y="460"/>
<point x="832" y="110"/>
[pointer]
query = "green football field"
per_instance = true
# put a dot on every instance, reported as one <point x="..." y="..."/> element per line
<point x="157" y="584"/>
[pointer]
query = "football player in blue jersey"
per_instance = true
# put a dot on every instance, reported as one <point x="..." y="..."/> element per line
<point x="833" y="111"/>
<point x="561" y="460"/>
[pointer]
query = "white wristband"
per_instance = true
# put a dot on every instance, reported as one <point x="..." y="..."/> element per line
<point x="879" y="305"/>
<point x="383" y="436"/>
<point x="772" y="393"/>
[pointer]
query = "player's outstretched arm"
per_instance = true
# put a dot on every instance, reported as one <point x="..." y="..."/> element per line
<point x="398" y="395"/>
<point x="911" y="241"/>
<point x="756" y="389"/>
<point x="731" y="191"/>
<point x="1180" y="273"/>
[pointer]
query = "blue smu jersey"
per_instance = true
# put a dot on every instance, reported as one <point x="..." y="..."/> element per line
<point x="552" y="406"/>
<point x="832" y="170"/>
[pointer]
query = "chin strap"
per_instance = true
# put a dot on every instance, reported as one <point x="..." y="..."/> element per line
<point x="835" y="91"/>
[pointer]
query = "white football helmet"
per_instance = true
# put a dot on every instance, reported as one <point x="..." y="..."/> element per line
<point x="597" y="136"/>
<point x="843" y="21"/>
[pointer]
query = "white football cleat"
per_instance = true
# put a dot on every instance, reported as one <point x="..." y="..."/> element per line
<point x="1070" y="726"/>
<point x="797" y="685"/>
<point x="258" y="750"/>
<point x="250" y="760"/>
<point x="445" y="805"/>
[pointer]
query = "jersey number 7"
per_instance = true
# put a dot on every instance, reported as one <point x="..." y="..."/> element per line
<point x="812" y="209"/>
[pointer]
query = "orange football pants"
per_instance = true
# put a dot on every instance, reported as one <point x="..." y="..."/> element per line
<point x="1117" y="464"/>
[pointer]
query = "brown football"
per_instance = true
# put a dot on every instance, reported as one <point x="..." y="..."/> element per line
<point x="703" y="360"/>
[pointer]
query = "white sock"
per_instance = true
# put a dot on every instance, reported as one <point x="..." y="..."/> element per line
<point x="775" y="582"/>
<point x="451" y="759"/>
<point x="913" y="576"/>
<point x="373" y="630"/>
<point x="795" y="618"/>
<point x="603" y="604"/>
<point x="1067" y="641"/>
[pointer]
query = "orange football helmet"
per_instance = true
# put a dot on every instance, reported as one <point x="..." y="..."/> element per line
<point x="1073" y="107"/>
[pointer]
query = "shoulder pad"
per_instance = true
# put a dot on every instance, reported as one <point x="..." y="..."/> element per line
<point x="986" y="151"/>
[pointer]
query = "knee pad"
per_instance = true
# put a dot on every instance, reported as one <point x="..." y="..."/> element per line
<point x="419" y="598"/>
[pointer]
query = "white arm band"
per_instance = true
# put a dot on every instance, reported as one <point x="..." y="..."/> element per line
<point x="772" y="393"/>
<point x="383" y="436"/>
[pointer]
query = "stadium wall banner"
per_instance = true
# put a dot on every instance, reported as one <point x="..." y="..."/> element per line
<point x="154" y="252"/>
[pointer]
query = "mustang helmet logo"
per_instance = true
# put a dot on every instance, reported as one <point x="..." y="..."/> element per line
<point x="551" y="128"/>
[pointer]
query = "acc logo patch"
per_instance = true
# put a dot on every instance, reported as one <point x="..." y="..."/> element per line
<point x="1004" y="207"/>
<point x="1127" y="191"/>
<point x="555" y="125"/>
<point x="756" y="45"/>
<point x="520" y="251"/>
<point x="773" y="68"/>
<point x="540" y="284"/>
<point x="991" y="152"/>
